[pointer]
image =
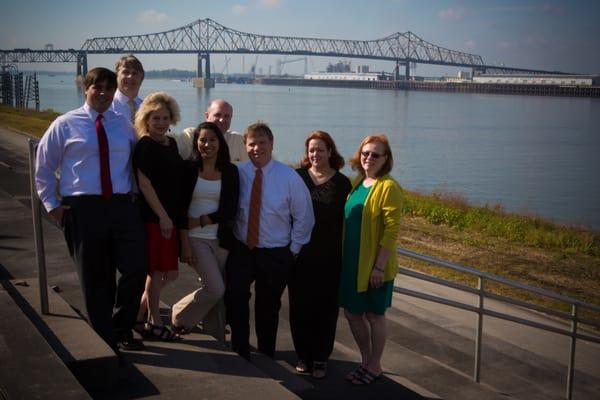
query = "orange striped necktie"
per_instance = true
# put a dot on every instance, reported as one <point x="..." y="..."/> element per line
<point x="254" y="217"/>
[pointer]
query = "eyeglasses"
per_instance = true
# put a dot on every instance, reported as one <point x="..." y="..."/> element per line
<point x="373" y="155"/>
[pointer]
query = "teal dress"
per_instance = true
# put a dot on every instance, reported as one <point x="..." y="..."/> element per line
<point x="374" y="300"/>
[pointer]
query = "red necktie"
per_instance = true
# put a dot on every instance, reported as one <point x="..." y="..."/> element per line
<point x="254" y="217"/>
<point x="105" y="181"/>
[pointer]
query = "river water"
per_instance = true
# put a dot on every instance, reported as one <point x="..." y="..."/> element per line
<point x="530" y="154"/>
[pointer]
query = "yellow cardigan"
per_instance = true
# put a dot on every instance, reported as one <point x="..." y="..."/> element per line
<point x="379" y="227"/>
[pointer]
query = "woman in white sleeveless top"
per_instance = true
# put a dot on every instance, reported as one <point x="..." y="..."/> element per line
<point x="212" y="184"/>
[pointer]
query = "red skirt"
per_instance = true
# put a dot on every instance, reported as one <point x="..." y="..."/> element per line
<point x="162" y="253"/>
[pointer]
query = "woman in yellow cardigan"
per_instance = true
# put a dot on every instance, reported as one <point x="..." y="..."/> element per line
<point x="371" y="222"/>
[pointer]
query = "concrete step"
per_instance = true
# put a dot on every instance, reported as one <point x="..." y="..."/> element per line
<point x="196" y="367"/>
<point x="89" y="358"/>
<point x="29" y="367"/>
<point x="344" y="358"/>
<point x="198" y="364"/>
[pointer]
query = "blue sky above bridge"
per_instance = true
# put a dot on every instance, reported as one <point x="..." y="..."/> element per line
<point x="551" y="35"/>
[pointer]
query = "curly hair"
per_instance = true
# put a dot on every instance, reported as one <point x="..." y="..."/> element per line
<point x="151" y="103"/>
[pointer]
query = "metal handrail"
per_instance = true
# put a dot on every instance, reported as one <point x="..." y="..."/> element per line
<point x="38" y="234"/>
<point x="480" y="309"/>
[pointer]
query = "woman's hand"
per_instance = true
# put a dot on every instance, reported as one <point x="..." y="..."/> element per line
<point x="166" y="227"/>
<point x="376" y="279"/>
<point x="186" y="253"/>
<point x="205" y="220"/>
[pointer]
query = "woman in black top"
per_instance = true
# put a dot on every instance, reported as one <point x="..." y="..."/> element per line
<point x="158" y="168"/>
<point x="314" y="282"/>
<point x="212" y="191"/>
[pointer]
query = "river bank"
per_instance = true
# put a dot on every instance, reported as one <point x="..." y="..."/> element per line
<point x="527" y="249"/>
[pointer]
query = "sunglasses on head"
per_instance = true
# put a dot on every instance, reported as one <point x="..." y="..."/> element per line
<point x="373" y="155"/>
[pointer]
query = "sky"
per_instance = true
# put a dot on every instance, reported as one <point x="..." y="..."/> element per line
<point x="547" y="34"/>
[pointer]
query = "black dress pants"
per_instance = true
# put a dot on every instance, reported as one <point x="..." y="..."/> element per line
<point x="313" y="300"/>
<point x="104" y="236"/>
<point x="269" y="269"/>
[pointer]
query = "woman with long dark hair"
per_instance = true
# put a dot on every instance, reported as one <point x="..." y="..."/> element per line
<point x="212" y="185"/>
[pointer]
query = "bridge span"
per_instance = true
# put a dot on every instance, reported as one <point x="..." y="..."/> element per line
<point x="204" y="37"/>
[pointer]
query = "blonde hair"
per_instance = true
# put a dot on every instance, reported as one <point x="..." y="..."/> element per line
<point x="151" y="103"/>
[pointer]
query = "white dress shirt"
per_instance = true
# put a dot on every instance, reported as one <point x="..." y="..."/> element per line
<point x="120" y="104"/>
<point x="286" y="213"/>
<point x="69" y="149"/>
<point x="235" y="142"/>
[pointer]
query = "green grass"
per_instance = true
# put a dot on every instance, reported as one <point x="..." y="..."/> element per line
<point x="26" y="120"/>
<point x="454" y="211"/>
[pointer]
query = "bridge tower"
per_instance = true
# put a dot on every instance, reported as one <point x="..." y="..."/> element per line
<point x="203" y="80"/>
<point x="406" y="65"/>
<point x="82" y="67"/>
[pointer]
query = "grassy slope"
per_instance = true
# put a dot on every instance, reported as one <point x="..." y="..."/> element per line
<point x="25" y="120"/>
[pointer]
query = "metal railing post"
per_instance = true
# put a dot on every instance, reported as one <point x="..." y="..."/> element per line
<point x="481" y="311"/>
<point x="479" y="334"/>
<point x="37" y="230"/>
<point x="571" y="368"/>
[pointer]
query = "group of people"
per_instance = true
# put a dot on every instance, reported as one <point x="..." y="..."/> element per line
<point x="132" y="196"/>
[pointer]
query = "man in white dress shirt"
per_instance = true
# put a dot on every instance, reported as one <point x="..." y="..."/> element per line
<point x="280" y="210"/>
<point x="220" y="112"/>
<point x="130" y="75"/>
<point x="90" y="149"/>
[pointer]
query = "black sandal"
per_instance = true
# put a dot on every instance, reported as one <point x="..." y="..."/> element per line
<point x="181" y="330"/>
<point x="166" y="333"/>
<point x="366" y="378"/>
<point x="354" y="374"/>
<point x="143" y="328"/>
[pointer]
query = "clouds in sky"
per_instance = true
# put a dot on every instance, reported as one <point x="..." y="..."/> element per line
<point x="239" y="9"/>
<point x="456" y="13"/>
<point x="261" y="4"/>
<point x="470" y="45"/>
<point x="154" y="18"/>
<point x="269" y="4"/>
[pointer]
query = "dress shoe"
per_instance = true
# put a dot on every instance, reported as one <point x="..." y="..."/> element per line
<point x="302" y="367"/>
<point x="319" y="369"/>
<point x="129" y="343"/>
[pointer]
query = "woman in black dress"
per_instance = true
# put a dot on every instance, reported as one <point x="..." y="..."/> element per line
<point x="313" y="286"/>
<point x="158" y="168"/>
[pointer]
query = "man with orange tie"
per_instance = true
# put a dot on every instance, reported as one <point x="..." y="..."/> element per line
<point x="130" y="75"/>
<point x="274" y="221"/>
<point x="89" y="149"/>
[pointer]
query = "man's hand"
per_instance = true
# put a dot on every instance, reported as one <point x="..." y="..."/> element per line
<point x="57" y="215"/>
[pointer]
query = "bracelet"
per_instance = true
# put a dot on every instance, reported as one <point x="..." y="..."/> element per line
<point x="378" y="269"/>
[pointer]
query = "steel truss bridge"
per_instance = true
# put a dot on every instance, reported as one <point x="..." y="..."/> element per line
<point x="205" y="37"/>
